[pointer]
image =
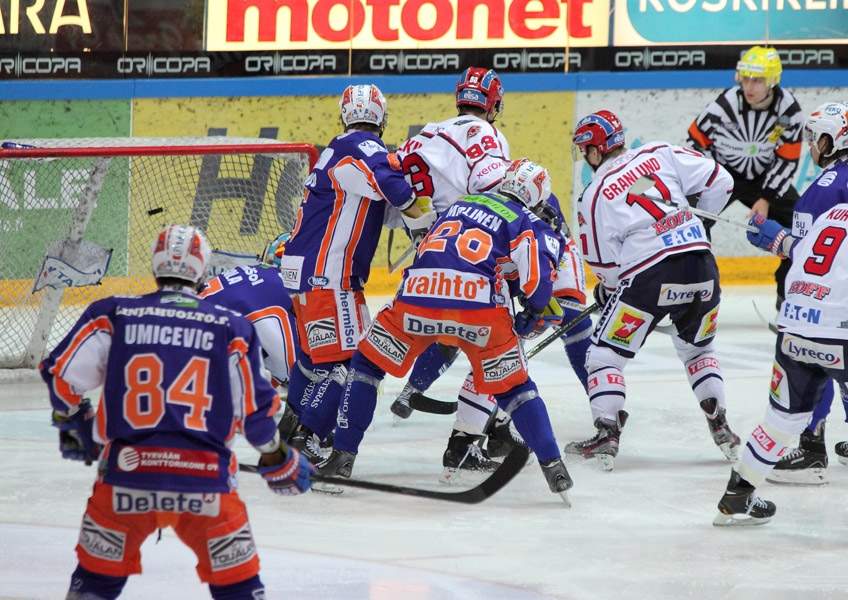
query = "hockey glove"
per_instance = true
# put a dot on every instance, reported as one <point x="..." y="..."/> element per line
<point x="601" y="295"/>
<point x="75" y="433"/>
<point x="292" y="476"/>
<point x="525" y="322"/>
<point x="419" y="226"/>
<point x="770" y="236"/>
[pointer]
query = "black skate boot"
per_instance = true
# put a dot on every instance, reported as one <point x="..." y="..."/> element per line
<point x="287" y="423"/>
<point x="501" y="439"/>
<point x="338" y="464"/>
<point x="740" y="505"/>
<point x="841" y="450"/>
<point x="727" y="441"/>
<point x="558" y="478"/>
<point x="400" y="407"/>
<point x="464" y="455"/>
<point x="806" y="464"/>
<point x="604" y="446"/>
<point x="308" y="444"/>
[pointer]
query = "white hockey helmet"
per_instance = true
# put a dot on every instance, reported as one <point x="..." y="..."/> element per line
<point x="181" y="252"/>
<point x="363" y="104"/>
<point x="526" y="181"/>
<point x="831" y="119"/>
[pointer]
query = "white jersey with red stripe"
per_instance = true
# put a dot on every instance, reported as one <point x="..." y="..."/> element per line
<point x="340" y="218"/>
<point x="817" y="284"/>
<point x="456" y="157"/>
<point x="622" y="234"/>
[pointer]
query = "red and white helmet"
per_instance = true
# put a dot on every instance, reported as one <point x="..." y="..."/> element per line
<point x="363" y="104"/>
<point x="601" y="129"/>
<point x="181" y="252"/>
<point x="528" y="182"/>
<point x="831" y="119"/>
<point x="481" y="88"/>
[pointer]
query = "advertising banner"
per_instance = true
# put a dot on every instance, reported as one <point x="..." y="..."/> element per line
<point x="404" y="24"/>
<point x="647" y="22"/>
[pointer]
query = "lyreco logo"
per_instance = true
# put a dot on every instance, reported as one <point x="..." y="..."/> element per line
<point x="674" y="293"/>
<point x="396" y="25"/>
<point x="673" y="21"/>
<point x="476" y="334"/>
<point x="806" y="351"/>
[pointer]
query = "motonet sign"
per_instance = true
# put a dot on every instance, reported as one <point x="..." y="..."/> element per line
<point x="404" y="24"/>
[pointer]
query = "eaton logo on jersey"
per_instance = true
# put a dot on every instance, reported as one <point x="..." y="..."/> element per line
<point x="675" y="293"/>
<point x="683" y="236"/>
<point x="803" y="350"/>
<point x="134" y="502"/>
<point x="477" y="335"/>
<point x="801" y="314"/>
<point x="446" y="284"/>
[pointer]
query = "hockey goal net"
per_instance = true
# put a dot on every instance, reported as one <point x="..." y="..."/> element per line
<point x="78" y="217"/>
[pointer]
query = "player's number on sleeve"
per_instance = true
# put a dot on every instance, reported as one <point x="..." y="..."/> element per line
<point x="473" y="245"/>
<point x="419" y="175"/>
<point x="144" y="400"/>
<point x="824" y="250"/>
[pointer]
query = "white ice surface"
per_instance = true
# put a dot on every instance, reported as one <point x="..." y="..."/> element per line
<point x="641" y="531"/>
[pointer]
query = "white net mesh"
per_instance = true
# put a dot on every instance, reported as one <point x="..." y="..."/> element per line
<point x="59" y="217"/>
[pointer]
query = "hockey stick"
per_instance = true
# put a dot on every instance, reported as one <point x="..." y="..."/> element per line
<point x="403" y="258"/>
<point x="562" y="330"/>
<point x="645" y="182"/>
<point x="419" y="401"/>
<point x="509" y="468"/>
<point x="770" y="324"/>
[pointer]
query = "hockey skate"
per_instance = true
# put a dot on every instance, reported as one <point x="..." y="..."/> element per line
<point x="287" y="423"/>
<point x="558" y="478"/>
<point x="604" y="446"/>
<point x="400" y="407"/>
<point x="464" y="455"/>
<point x="841" y="450"/>
<point x="727" y="441"/>
<point x="501" y="439"/>
<point x="806" y="464"/>
<point x="740" y="505"/>
<point x="338" y="464"/>
<point x="308" y="444"/>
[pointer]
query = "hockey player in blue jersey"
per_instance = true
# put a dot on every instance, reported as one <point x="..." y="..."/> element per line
<point x="457" y="292"/>
<point x="328" y="258"/>
<point x="180" y="377"/>
<point x="826" y="132"/>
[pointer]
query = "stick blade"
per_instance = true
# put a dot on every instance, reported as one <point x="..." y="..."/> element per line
<point x="426" y="404"/>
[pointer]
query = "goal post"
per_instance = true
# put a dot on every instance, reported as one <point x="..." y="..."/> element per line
<point x="78" y="218"/>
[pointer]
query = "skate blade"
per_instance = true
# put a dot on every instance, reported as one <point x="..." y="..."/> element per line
<point x="605" y="462"/>
<point x="730" y="451"/>
<point x="738" y="520"/>
<point x="564" y="495"/>
<point x="327" y="488"/>
<point x="800" y="477"/>
<point x="843" y="460"/>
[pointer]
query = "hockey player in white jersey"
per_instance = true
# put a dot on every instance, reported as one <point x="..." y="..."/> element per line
<point x="812" y="343"/>
<point x="826" y="133"/>
<point x="652" y="258"/>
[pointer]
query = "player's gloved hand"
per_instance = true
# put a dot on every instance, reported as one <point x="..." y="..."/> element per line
<point x="601" y="295"/>
<point x="552" y="315"/>
<point x="525" y="322"/>
<point x="76" y="441"/>
<point x="292" y="476"/>
<point x="419" y="226"/>
<point x="770" y="235"/>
